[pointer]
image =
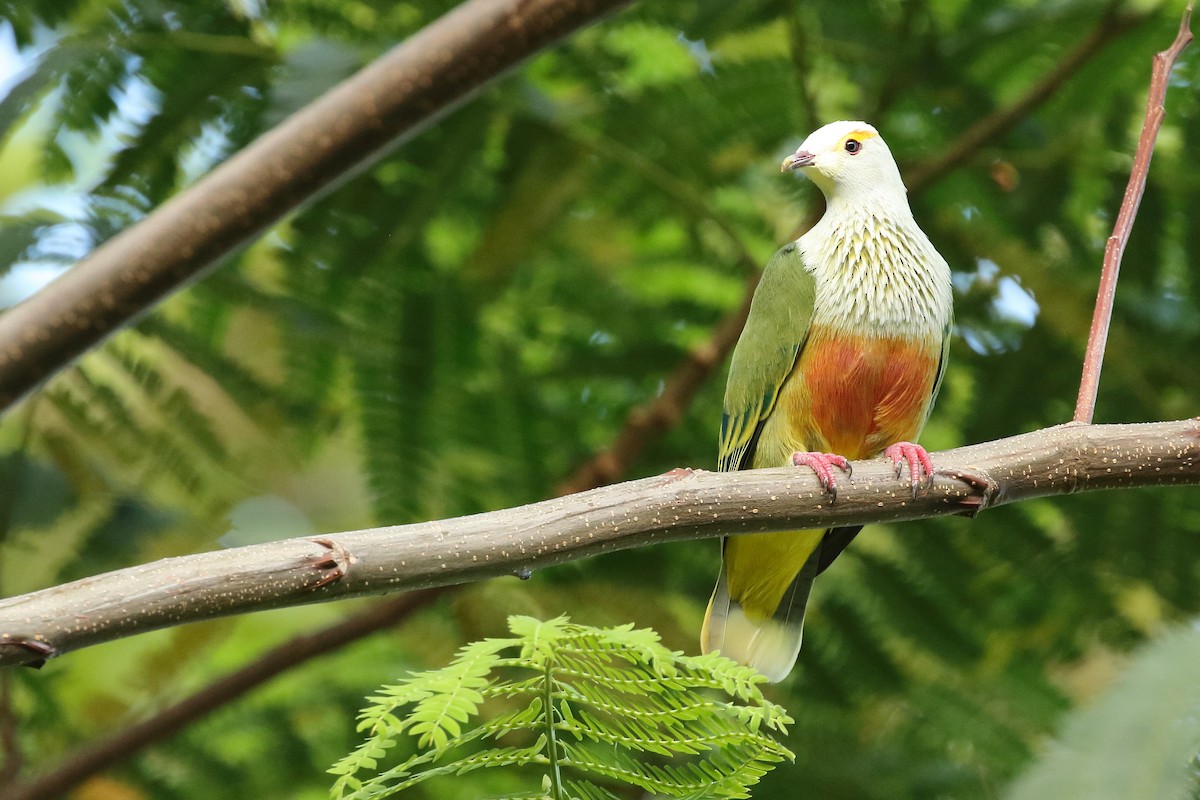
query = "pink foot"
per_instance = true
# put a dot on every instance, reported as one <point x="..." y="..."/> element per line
<point x="823" y="464"/>
<point x="918" y="461"/>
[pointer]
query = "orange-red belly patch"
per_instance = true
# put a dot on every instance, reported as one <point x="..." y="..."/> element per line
<point x="858" y="393"/>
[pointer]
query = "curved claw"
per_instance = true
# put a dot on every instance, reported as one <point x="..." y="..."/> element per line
<point x="822" y="464"/>
<point x="918" y="462"/>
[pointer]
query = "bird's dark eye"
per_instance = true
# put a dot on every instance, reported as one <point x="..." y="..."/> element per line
<point x="853" y="146"/>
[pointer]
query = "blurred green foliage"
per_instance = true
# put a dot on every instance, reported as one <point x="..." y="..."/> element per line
<point x="1130" y="742"/>
<point x="457" y="328"/>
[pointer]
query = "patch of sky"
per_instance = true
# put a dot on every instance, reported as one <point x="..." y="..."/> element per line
<point x="1015" y="303"/>
<point x="981" y="340"/>
<point x="1179" y="79"/>
<point x="205" y="151"/>
<point x="64" y="202"/>
<point x="600" y="338"/>
<point x="15" y="61"/>
<point x="171" y="21"/>
<point x="12" y="61"/>
<point x="1011" y="308"/>
<point x="57" y="244"/>
<point x="137" y="101"/>
<point x="68" y="241"/>
<point x="699" y="52"/>
<point x="985" y="272"/>
<point x="26" y="278"/>
<point x="266" y="518"/>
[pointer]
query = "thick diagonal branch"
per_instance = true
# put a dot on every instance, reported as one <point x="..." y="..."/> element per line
<point x="682" y="505"/>
<point x="345" y="130"/>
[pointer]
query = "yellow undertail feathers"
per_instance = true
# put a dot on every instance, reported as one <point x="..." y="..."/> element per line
<point x="770" y="575"/>
<point x="771" y="647"/>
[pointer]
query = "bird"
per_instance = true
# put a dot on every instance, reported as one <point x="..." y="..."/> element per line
<point x="841" y="358"/>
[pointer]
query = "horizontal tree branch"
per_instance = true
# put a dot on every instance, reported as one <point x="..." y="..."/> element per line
<point x="102" y="754"/>
<point x="683" y="504"/>
<point x="343" y="131"/>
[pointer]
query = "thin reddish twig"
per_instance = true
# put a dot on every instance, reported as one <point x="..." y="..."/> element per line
<point x="1089" y="383"/>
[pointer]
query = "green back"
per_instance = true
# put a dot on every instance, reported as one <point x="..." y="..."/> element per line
<point x="765" y="354"/>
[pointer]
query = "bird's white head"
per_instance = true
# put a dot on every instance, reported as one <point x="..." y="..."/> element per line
<point x="848" y="160"/>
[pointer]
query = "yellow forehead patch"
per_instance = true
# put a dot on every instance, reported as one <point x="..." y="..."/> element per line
<point x="859" y="134"/>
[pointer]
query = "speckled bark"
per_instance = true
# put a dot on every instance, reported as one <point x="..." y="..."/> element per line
<point x="345" y="130"/>
<point x="681" y="505"/>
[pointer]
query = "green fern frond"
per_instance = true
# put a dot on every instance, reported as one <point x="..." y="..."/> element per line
<point x="586" y="791"/>
<point x="581" y="709"/>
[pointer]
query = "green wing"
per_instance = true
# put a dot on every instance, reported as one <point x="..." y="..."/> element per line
<point x="941" y="367"/>
<point x="765" y="354"/>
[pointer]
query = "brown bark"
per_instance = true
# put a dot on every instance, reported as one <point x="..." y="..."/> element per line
<point x="104" y="753"/>
<point x="684" y="504"/>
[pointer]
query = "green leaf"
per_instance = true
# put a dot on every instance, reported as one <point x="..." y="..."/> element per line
<point x="1138" y="739"/>
<point x="622" y="709"/>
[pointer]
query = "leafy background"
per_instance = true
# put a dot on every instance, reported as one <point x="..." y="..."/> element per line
<point x="460" y="327"/>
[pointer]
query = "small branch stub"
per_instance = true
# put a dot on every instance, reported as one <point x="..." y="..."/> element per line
<point x="333" y="565"/>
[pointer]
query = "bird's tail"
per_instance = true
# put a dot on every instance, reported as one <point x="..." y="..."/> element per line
<point x="756" y="614"/>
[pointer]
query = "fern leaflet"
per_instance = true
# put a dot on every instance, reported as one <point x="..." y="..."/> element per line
<point x="579" y="711"/>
